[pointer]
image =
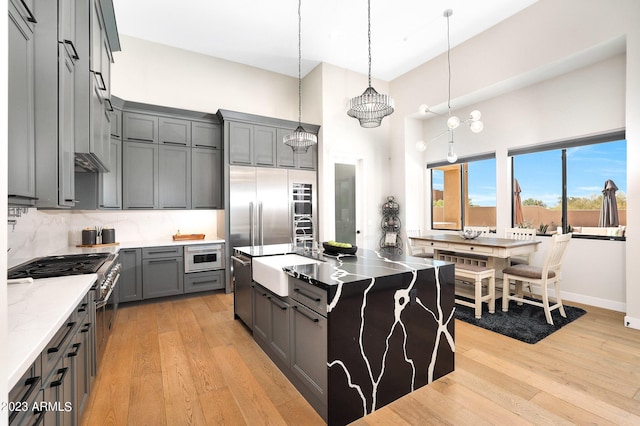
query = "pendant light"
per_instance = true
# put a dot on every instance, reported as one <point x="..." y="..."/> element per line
<point x="300" y="140"/>
<point x="453" y="122"/>
<point x="370" y="107"/>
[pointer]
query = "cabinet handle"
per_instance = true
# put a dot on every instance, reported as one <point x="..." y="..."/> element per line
<point x="33" y="383"/>
<point x="162" y="251"/>
<point x="86" y="328"/>
<point x="75" y="52"/>
<point x="57" y="347"/>
<point x="30" y="18"/>
<point x="110" y="108"/>
<point x="163" y="260"/>
<point x="23" y="197"/>
<point x="129" y="138"/>
<point x="101" y="84"/>
<point x="62" y="372"/>
<point x="275" y="302"/>
<point x="315" y="299"/>
<point x="174" y="143"/>
<point x="76" y="347"/>
<point x="306" y="315"/>
<point x="40" y="418"/>
<point x="241" y="261"/>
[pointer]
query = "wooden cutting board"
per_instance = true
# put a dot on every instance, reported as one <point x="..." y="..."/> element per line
<point x="182" y="237"/>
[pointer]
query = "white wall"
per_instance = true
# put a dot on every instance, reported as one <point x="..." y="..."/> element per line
<point x="494" y="72"/>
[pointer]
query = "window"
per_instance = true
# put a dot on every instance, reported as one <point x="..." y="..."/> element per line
<point x="561" y="187"/>
<point x="464" y="194"/>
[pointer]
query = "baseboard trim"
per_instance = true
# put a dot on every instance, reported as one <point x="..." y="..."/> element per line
<point x="586" y="300"/>
<point x="632" y="322"/>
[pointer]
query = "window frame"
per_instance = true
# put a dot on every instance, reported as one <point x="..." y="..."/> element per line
<point x="563" y="145"/>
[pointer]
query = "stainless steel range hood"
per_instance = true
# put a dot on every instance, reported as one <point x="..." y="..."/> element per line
<point x="89" y="162"/>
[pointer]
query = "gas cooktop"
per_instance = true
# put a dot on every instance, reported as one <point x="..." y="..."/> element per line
<point x="59" y="266"/>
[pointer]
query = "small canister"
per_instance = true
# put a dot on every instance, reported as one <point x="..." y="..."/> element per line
<point x="108" y="235"/>
<point x="89" y="237"/>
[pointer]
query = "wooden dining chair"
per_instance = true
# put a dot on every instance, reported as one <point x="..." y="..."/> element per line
<point x="414" y="251"/>
<point x="543" y="276"/>
<point x="520" y="234"/>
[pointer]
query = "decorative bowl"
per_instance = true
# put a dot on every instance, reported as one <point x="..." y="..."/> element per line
<point x="329" y="249"/>
<point x="469" y="234"/>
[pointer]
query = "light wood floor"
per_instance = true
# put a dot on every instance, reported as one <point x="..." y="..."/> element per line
<point x="187" y="361"/>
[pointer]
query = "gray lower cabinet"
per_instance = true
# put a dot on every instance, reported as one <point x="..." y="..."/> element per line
<point x="25" y="394"/>
<point x="271" y="323"/>
<point x="140" y="175"/>
<point x="162" y="272"/>
<point x="203" y="281"/>
<point x="21" y="102"/>
<point x="206" y="178"/>
<point x="174" y="175"/>
<point x="130" y="275"/>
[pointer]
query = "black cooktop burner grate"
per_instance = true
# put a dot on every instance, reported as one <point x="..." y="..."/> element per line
<point x="59" y="266"/>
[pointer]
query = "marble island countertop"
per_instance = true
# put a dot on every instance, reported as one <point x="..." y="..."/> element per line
<point x="36" y="311"/>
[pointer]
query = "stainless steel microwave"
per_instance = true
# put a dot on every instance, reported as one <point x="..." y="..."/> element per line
<point x="203" y="257"/>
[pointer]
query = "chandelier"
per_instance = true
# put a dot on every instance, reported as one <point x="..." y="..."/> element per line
<point x="300" y="140"/>
<point x="453" y="122"/>
<point x="370" y="107"/>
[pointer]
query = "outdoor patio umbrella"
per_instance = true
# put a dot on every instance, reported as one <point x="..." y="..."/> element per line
<point x="609" y="209"/>
<point x="518" y="215"/>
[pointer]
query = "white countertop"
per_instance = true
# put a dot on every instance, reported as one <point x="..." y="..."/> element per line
<point x="36" y="312"/>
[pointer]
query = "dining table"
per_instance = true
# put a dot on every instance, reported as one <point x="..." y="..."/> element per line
<point x="496" y="250"/>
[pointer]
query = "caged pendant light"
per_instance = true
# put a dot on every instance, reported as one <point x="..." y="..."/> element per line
<point x="453" y="122"/>
<point x="370" y="107"/>
<point x="300" y="140"/>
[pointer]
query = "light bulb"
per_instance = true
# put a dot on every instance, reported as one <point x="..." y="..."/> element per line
<point x="475" y="115"/>
<point x="452" y="157"/>
<point x="423" y="109"/>
<point x="421" y="146"/>
<point x="476" y="126"/>
<point x="453" y="122"/>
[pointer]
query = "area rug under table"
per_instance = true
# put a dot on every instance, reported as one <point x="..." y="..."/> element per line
<point x="524" y="322"/>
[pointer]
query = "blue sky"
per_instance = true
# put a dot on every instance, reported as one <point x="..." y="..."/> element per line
<point x="540" y="174"/>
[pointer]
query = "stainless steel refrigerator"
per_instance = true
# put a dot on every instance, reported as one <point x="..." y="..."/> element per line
<point x="268" y="206"/>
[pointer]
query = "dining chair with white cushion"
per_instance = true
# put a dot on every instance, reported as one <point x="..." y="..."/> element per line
<point x="543" y="276"/>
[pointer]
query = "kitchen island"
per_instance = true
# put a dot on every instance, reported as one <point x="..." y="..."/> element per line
<point x="364" y="330"/>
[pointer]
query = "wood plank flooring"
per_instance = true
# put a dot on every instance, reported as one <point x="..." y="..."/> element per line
<point x="187" y="361"/>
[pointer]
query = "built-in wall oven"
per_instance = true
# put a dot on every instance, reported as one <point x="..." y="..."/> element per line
<point x="203" y="257"/>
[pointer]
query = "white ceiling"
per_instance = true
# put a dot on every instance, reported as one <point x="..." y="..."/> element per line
<point x="263" y="34"/>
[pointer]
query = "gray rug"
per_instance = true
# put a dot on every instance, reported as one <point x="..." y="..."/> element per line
<point x="526" y="323"/>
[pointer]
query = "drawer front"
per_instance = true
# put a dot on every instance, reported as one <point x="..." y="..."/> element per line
<point x="309" y="295"/>
<point x="203" y="281"/>
<point x="439" y="246"/>
<point x="56" y="347"/>
<point x="472" y="249"/>
<point x="160" y="252"/>
<point x="25" y="392"/>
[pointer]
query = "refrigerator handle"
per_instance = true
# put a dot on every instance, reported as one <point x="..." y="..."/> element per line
<point x="260" y="224"/>
<point x="251" y="224"/>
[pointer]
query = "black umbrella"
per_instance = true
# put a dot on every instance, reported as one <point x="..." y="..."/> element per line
<point x="609" y="209"/>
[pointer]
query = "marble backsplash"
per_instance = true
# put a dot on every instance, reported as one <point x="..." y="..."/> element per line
<point x="42" y="232"/>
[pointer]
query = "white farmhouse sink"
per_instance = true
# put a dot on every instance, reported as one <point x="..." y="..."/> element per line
<point x="267" y="271"/>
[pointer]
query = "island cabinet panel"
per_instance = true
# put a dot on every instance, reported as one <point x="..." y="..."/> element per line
<point x="271" y="322"/>
<point x="384" y="330"/>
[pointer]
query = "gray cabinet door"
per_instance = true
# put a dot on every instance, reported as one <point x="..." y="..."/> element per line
<point x="285" y="153"/>
<point x="264" y="146"/>
<point x="116" y="124"/>
<point x="308" y="160"/>
<point x="206" y="135"/>
<point x="174" y="131"/>
<point x="138" y="127"/>
<point x="261" y="314"/>
<point x="206" y="178"/>
<point x="174" y="173"/>
<point x="309" y="349"/>
<point x="240" y="143"/>
<point x="139" y="175"/>
<point x="280" y="338"/>
<point x="21" y="111"/>
<point x="110" y="184"/>
<point x="66" y="127"/>
<point x="130" y="282"/>
<point x="162" y="277"/>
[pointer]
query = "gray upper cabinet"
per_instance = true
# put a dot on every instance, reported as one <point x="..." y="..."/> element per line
<point x="55" y="63"/>
<point x="21" y="102"/>
<point x="288" y="159"/>
<point x="116" y="124"/>
<point x="140" y="175"/>
<point x="174" y="177"/>
<point x="174" y="131"/>
<point x="240" y="143"/>
<point x="110" y="184"/>
<point x="264" y="146"/>
<point x="206" y="178"/>
<point x="207" y="135"/>
<point x="138" y="127"/>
